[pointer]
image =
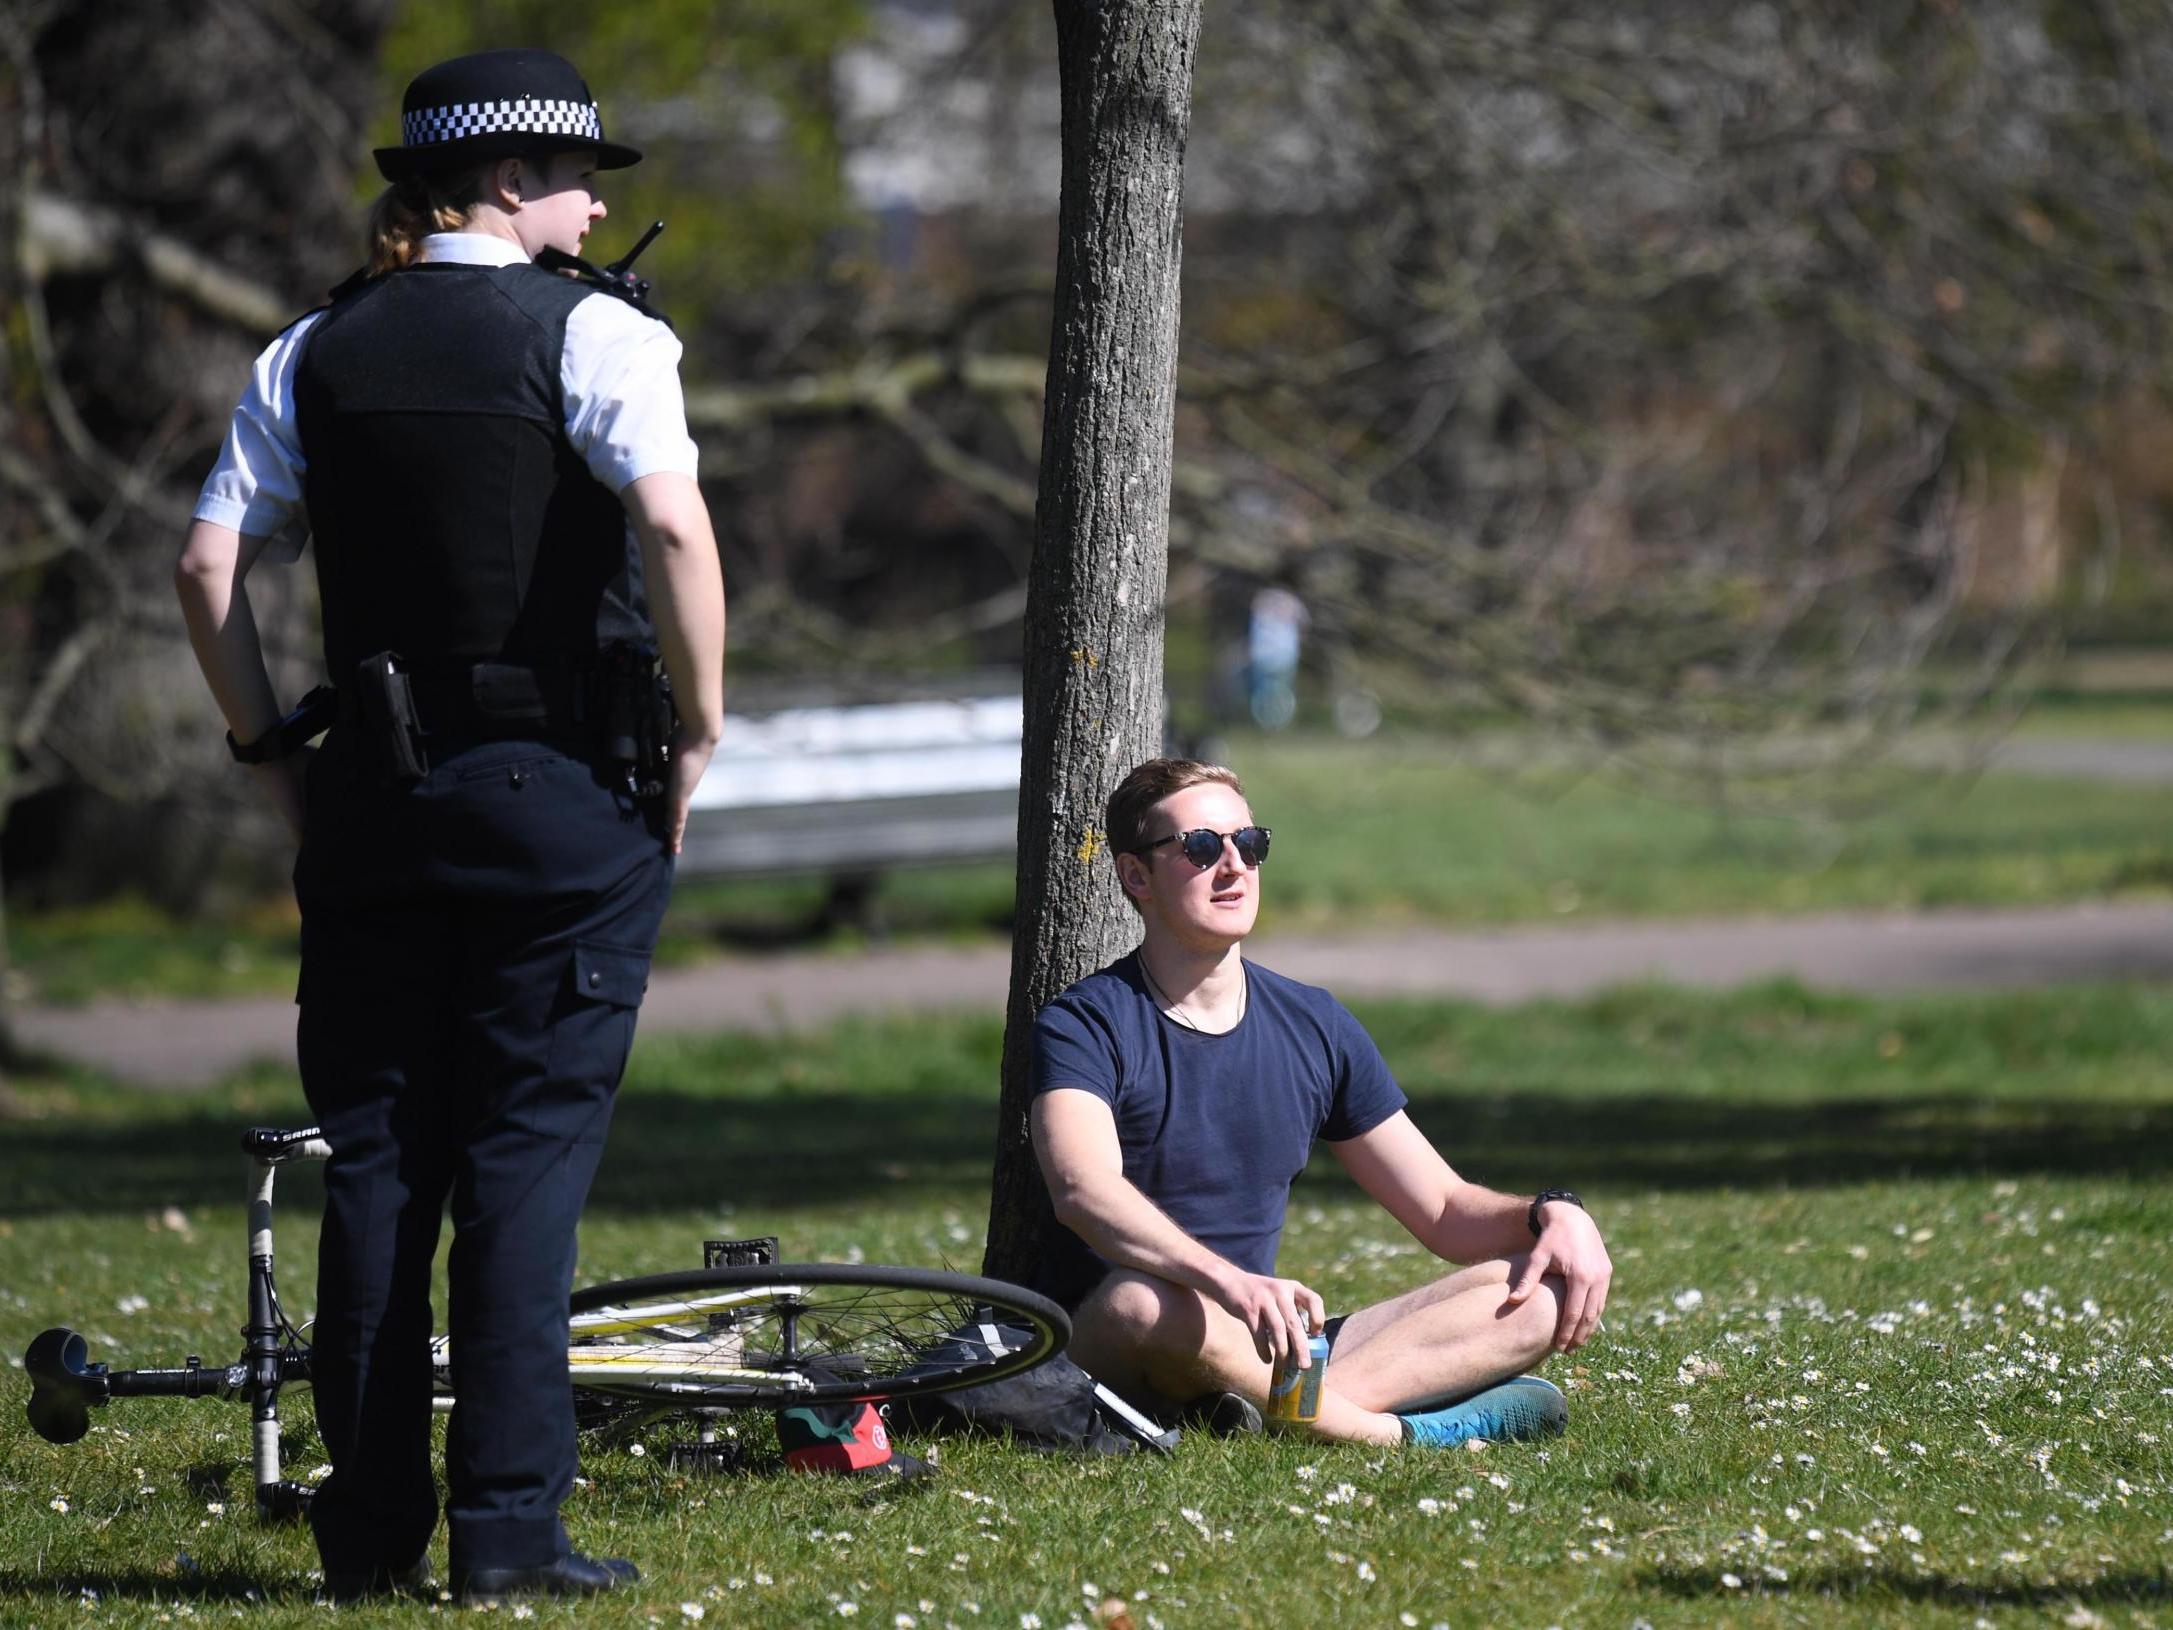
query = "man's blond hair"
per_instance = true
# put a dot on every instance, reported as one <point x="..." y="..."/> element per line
<point x="1126" y="817"/>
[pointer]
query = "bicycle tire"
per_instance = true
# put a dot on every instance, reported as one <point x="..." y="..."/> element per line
<point x="775" y="1334"/>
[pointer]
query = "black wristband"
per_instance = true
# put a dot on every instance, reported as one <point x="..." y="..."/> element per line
<point x="1531" y="1217"/>
<point x="266" y="749"/>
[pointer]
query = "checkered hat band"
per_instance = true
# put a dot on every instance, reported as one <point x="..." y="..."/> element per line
<point x="426" y="127"/>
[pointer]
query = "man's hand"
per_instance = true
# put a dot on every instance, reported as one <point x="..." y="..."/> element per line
<point x="690" y="757"/>
<point x="1569" y="1245"/>
<point x="1280" y="1313"/>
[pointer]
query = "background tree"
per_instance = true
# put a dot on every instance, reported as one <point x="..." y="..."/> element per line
<point x="1094" y="597"/>
<point x="166" y="165"/>
<point x="1717" y="389"/>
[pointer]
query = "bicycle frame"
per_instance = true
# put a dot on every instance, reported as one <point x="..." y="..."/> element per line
<point x="66" y="1387"/>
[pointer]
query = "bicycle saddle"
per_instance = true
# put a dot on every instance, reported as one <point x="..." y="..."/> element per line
<point x="63" y="1385"/>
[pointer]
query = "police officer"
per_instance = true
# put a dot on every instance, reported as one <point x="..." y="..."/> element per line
<point x="466" y="436"/>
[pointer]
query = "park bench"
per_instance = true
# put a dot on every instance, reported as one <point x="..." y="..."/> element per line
<point x="853" y="787"/>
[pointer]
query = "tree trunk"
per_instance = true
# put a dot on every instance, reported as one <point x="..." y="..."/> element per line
<point x="1093" y="659"/>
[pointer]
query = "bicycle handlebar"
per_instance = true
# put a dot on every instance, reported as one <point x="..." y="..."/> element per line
<point x="272" y="1145"/>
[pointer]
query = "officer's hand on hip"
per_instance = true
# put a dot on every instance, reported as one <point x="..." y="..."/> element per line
<point x="285" y="781"/>
<point x="690" y="758"/>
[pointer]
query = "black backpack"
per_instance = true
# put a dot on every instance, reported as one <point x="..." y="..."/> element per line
<point x="1052" y="1407"/>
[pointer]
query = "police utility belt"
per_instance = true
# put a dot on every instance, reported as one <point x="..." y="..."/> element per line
<point x="619" y="703"/>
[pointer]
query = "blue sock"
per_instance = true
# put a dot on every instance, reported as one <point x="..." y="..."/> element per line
<point x="1521" y="1407"/>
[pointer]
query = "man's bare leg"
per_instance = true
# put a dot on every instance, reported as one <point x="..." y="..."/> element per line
<point x="1445" y="1339"/>
<point x="1141" y="1334"/>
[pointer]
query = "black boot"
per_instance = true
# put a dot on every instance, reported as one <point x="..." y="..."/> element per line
<point x="570" y="1575"/>
<point x="413" y="1580"/>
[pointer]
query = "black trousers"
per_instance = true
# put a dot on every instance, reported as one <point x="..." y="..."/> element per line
<point x="474" y="948"/>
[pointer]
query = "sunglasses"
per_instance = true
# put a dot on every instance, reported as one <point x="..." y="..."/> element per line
<point x="1203" y="848"/>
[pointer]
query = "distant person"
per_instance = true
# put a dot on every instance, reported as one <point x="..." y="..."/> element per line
<point x="1275" y="638"/>
<point x="1177" y="1095"/>
<point x="492" y="458"/>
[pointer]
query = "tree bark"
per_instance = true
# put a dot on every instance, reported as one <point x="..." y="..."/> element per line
<point x="1093" y="657"/>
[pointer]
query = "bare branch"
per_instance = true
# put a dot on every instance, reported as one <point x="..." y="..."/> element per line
<point x="881" y="388"/>
<point x="63" y="238"/>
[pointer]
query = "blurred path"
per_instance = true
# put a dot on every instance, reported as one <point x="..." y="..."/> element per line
<point x="2087" y="758"/>
<point x="185" y="1044"/>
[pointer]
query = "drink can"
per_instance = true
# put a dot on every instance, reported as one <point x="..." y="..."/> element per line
<point x="1294" y="1394"/>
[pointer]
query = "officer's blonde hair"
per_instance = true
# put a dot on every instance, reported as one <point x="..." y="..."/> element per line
<point x="410" y="210"/>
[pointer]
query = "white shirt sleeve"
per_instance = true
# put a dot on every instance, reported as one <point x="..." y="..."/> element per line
<point x="256" y="486"/>
<point x="625" y="414"/>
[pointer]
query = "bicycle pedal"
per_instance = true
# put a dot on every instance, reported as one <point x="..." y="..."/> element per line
<point x="284" y="1501"/>
<point x="725" y="1455"/>
<point x="740" y="1253"/>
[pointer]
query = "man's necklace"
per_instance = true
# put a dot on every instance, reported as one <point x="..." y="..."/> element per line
<point x="1176" y="1009"/>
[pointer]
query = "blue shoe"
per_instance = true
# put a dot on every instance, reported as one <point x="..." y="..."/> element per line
<point x="1522" y="1407"/>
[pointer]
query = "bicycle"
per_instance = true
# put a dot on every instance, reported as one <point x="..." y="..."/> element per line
<point x="742" y="1331"/>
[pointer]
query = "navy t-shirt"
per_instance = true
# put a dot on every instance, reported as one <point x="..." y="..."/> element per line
<point x="1215" y="1128"/>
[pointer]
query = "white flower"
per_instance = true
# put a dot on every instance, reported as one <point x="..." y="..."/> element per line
<point x="905" y="1621"/>
<point x="690" y="1610"/>
<point x="1731" y="1581"/>
<point x="636" y="1450"/>
<point x="847" y="1609"/>
<point x="58" y="1504"/>
<point x="1688" y="1299"/>
<point x="132" y="1304"/>
<point x="1029" y="1621"/>
<point x="521" y="1610"/>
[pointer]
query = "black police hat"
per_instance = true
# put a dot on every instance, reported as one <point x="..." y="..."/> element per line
<point x="497" y="104"/>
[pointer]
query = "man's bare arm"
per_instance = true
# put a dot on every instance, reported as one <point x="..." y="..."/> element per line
<point x="1075" y="1140"/>
<point x="1460" y="1221"/>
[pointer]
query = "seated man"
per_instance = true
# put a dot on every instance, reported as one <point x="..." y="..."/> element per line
<point x="1177" y="1094"/>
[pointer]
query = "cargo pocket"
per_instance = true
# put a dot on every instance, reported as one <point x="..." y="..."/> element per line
<point x="610" y="973"/>
<point x="594" y="1028"/>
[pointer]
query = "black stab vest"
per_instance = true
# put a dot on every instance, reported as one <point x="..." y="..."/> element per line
<point x="451" y="519"/>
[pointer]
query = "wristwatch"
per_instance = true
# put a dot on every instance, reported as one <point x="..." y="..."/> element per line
<point x="1544" y="1195"/>
<point x="268" y="748"/>
<point x="311" y="718"/>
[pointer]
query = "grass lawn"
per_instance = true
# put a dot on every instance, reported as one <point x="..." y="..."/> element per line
<point x="1889" y="1339"/>
<point x="1396" y="830"/>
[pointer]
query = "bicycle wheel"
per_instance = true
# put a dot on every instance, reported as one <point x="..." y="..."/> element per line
<point x="784" y="1333"/>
